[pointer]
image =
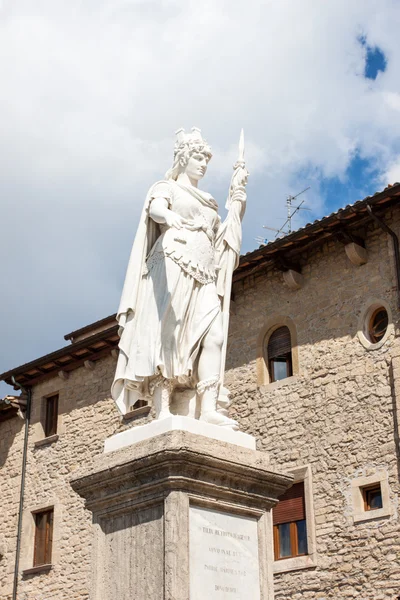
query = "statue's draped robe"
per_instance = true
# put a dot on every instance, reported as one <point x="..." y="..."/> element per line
<point x="170" y="299"/>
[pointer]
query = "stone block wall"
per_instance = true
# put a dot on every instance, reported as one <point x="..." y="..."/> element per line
<point x="87" y="415"/>
<point x="338" y="413"/>
<point x="11" y="445"/>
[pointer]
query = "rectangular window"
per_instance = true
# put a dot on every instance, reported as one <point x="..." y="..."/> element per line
<point x="280" y="367"/>
<point x="43" y="537"/>
<point x="290" y="527"/>
<point x="372" y="496"/>
<point x="51" y="415"/>
<point x="279" y="351"/>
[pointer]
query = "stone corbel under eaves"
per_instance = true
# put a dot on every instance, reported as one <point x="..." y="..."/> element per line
<point x="356" y="254"/>
<point x="293" y="279"/>
<point x="89" y="365"/>
<point x="291" y="273"/>
<point x="354" y="247"/>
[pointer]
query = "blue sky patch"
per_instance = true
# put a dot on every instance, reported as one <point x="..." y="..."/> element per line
<point x="360" y="181"/>
<point x="375" y="60"/>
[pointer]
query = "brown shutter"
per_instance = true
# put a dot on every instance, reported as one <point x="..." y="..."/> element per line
<point x="43" y="537"/>
<point x="51" y="416"/>
<point x="49" y="537"/>
<point x="40" y="533"/>
<point x="291" y="506"/>
<point x="279" y="343"/>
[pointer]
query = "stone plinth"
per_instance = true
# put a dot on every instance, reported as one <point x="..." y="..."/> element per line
<point x="181" y="516"/>
<point x="178" y="422"/>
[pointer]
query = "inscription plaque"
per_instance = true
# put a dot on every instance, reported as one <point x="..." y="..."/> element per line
<point x="223" y="556"/>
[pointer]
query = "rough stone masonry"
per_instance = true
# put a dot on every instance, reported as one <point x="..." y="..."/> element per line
<point x="337" y="415"/>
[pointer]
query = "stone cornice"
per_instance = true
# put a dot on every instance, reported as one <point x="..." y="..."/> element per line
<point x="178" y="460"/>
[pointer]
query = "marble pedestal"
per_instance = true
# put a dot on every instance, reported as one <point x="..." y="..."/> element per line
<point x="181" y="516"/>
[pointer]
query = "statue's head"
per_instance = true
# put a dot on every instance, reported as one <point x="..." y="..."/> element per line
<point x="191" y="155"/>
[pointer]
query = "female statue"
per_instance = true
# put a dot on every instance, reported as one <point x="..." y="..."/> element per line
<point x="170" y="316"/>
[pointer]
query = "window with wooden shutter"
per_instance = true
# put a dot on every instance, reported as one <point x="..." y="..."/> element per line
<point x="43" y="537"/>
<point x="279" y="352"/>
<point x="290" y="526"/>
<point x="51" y="415"/>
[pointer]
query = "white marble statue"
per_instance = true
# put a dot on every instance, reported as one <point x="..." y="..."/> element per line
<point x="174" y="310"/>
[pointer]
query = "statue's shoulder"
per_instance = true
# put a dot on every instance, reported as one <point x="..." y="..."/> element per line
<point x="161" y="189"/>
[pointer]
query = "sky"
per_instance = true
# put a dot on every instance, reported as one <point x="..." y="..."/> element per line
<point x="92" y="92"/>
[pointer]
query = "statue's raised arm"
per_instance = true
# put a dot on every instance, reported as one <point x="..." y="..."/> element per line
<point x="170" y="315"/>
<point x="229" y="241"/>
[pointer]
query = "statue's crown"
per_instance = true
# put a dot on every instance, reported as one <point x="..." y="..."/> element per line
<point x="193" y="136"/>
<point x="185" y="145"/>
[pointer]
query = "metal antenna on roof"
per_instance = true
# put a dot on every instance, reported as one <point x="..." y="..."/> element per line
<point x="290" y="215"/>
<point x="260" y="240"/>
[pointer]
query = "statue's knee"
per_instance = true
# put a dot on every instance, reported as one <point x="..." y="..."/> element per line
<point x="214" y="338"/>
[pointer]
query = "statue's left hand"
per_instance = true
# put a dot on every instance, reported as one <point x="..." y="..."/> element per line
<point x="239" y="195"/>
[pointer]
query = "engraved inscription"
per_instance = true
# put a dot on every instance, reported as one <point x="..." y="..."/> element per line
<point x="223" y="556"/>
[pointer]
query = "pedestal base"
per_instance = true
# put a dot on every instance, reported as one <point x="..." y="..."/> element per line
<point x="181" y="516"/>
<point x="175" y="423"/>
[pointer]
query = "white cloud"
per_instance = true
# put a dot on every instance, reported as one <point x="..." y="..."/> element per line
<point x="93" y="91"/>
<point x="392" y="174"/>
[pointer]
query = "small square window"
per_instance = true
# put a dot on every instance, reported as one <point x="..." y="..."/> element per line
<point x="43" y="537"/>
<point x="372" y="496"/>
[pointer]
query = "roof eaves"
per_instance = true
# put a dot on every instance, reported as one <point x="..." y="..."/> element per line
<point x="87" y="328"/>
<point x="263" y="253"/>
<point x="53" y="356"/>
<point x="9" y="407"/>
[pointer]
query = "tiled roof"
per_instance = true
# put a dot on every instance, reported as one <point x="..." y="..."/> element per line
<point x="9" y="406"/>
<point x="341" y="223"/>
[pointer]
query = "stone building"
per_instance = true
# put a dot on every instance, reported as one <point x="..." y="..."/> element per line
<point x="314" y="372"/>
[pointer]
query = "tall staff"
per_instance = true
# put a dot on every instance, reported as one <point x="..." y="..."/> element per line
<point x="233" y="239"/>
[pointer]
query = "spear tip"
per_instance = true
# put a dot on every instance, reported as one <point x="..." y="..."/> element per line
<point x="241" y="146"/>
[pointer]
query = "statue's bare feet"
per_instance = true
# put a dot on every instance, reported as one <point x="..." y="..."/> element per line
<point x="216" y="418"/>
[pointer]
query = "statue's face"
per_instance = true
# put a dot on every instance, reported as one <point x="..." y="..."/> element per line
<point x="196" y="166"/>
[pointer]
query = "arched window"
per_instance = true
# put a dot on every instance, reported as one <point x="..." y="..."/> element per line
<point x="279" y="352"/>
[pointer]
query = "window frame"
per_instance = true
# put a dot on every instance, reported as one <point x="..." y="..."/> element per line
<point x="289" y="367"/>
<point x="262" y="367"/>
<point x="272" y="358"/>
<point x="28" y="528"/>
<point x="46" y="548"/>
<point x="304" y="561"/>
<point x="371" y="306"/>
<point x="294" y="541"/>
<point x="366" y="492"/>
<point x="50" y="415"/>
<point x="358" y="485"/>
<point x="372" y="337"/>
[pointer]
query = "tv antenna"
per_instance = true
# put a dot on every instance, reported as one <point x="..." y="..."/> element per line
<point x="290" y="214"/>
<point x="261" y="241"/>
